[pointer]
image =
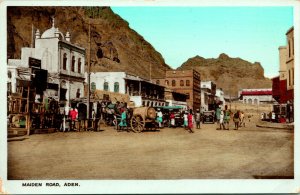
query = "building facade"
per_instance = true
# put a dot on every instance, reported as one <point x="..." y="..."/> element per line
<point x="256" y="96"/>
<point x="283" y="85"/>
<point x="63" y="60"/>
<point x="208" y="95"/>
<point x="142" y="92"/>
<point x="186" y="82"/>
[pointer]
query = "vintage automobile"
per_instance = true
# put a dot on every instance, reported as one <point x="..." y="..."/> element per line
<point x="208" y="117"/>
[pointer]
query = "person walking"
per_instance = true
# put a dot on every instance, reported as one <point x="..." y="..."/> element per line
<point x="236" y="120"/>
<point x="185" y="120"/>
<point x="198" y="119"/>
<point x="242" y="119"/>
<point x="218" y="112"/>
<point x="222" y="120"/>
<point x="159" y="118"/>
<point x="73" y="116"/>
<point x="226" y="118"/>
<point x="172" y="118"/>
<point x="190" y="121"/>
<point x="123" y="122"/>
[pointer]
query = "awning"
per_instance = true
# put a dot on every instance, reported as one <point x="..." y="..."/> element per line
<point x="170" y="107"/>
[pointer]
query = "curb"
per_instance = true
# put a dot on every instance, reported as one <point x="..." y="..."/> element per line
<point x="272" y="127"/>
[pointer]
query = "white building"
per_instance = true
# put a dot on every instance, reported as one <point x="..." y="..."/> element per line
<point x="256" y="96"/>
<point x="142" y="92"/>
<point x="63" y="60"/>
<point x="208" y="92"/>
<point x="220" y="97"/>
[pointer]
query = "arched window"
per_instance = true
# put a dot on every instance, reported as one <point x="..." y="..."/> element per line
<point x="105" y="87"/>
<point x="187" y="82"/>
<point x="181" y="83"/>
<point x="249" y="101"/>
<point x="79" y="65"/>
<point x="73" y="64"/>
<point x="9" y="74"/>
<point x="173" y="83"/>
<point x="65" y="62"/>
<point x="116" y="87"/>
<point x="157" y="82"/>
<point x="255" y="101"/>
<point x="167" y="83"/>
<point x="78" y="93"/>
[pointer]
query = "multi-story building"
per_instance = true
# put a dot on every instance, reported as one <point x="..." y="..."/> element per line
<point x="186" y="82"/>
<point x="283" y="85"/>
<point x="208" y="95"/>
<point x="142" y="92"/>
<point x="54" y="52"/>
<point x="220" y="100"/>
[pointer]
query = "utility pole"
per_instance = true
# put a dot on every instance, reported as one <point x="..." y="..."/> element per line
<point x="88" y="71"/>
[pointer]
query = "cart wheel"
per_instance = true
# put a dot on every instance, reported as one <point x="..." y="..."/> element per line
<point x="137" y="123"/>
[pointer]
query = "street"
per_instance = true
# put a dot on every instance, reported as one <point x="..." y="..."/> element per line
<point x="171" y="153"/>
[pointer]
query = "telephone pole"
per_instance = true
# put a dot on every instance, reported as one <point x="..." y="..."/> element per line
<point x="88" y="72"/>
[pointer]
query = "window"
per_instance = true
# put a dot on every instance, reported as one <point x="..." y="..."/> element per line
<point x="255" y="101"/>
<point x="290" y="48"/>
<point x="73" y="64"/>
<point x="116" y="87"/>
<point x="245" y="101"/>
<point x="293" y="47"/>
<point x="105" y="87"/>
<point x="293" y="76"/>
<point x="78" y="93"/>
<point x="79" y="65"/>
<point x="167" y="83"/>
<point x="249" y="101"/>
<point x="289" y="78"/>
<point x="157" y="82"/>
<point x="9" y="74"/>
<point x="65" y="62"/>
<point x="181" y="83"/>
<point x="173" y="83"/>
<point x="93" y="86"/>
<point x="187" y="82"/>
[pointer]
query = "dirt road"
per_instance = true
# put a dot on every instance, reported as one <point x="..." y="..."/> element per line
<point x="166" y="154"/>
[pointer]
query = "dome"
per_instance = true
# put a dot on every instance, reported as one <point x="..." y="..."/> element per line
<point x="51" y="32"/>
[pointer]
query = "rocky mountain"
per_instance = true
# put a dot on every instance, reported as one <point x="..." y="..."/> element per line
<point x="230" y="74"/>
<point x="114" y="45"/>
<point x="117" y="47"/>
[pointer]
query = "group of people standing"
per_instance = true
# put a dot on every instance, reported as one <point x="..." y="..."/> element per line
<point x="187" y="118"/>
<point x="224" y="117"/>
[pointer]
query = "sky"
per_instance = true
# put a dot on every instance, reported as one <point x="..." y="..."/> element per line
<point x="179" y="33"/>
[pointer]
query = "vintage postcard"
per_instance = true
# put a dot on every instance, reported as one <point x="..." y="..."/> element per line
<point x="149" y="97"/>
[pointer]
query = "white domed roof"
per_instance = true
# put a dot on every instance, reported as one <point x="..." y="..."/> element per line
<point x="50" y="33"/>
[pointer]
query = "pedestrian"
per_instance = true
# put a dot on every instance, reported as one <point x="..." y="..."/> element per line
<point x="123" y="122"/>
<point x="82" y="112"/>
<point x="198" y="119"/>
<point x="218" y="112"/>
<point x="172" y="118"/>
<point x="236" y="120"/>
<point x="185" y="120"/>
<point x="159" y="118"/>
<point x="190" y="121"/>
<point x="222" y="120"/>
<point x="226" y="118"/>
<point x="73" y="116"/>
<point x="242" y="119"/>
